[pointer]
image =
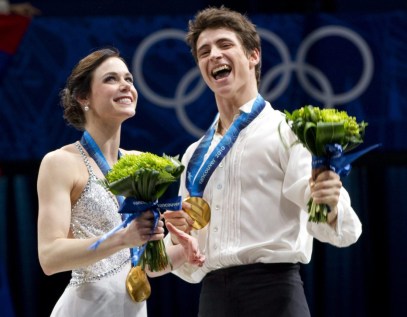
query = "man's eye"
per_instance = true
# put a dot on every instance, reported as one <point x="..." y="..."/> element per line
<point x="203" y="53"/>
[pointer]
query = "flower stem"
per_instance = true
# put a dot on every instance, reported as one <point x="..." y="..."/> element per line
<point x="318" y="213"/>
<point x="155" y="256"/>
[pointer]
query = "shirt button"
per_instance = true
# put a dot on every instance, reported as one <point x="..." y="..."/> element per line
<point x="217" y="207"/>
<point x="215" y="247"/>
<point x="215" y="229"/>
<point x="221" y="165"/>
<point x="219" y="186"/>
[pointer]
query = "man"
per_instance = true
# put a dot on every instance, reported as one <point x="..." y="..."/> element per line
<point x="256" y="188"/>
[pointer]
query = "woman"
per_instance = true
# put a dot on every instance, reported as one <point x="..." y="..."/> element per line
<point x="75" y="210"/>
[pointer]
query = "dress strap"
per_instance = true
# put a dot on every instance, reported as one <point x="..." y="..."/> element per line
<point x="86" y="160"/>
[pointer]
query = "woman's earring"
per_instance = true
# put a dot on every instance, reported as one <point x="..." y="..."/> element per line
<point x="86" y="108"/>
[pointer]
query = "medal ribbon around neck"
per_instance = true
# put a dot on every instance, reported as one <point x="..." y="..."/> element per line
<point x="199" y="172"/>
<point x="94" y="152"/>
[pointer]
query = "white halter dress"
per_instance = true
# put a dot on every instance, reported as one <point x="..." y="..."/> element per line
<point x="99" y="289"/>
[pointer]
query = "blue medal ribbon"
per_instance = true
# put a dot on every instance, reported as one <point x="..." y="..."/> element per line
<point x="198" y="174"/>
<point x="94" y="151"/>
<point x="336" y="160"/>
<point x="129" y="207"/>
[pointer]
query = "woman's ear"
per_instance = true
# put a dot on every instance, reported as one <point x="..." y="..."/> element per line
<point x="83" y="102"/>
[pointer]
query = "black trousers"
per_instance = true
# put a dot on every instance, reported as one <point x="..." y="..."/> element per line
<point x="255" y="290"/>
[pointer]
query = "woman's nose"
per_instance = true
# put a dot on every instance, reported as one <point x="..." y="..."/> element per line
<point x="125" y="85"/>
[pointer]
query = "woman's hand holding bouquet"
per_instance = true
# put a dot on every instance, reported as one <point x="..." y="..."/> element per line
<point x="143" y="179"/>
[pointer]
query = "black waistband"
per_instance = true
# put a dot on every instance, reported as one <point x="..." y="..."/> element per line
<point x="266" y="267"/>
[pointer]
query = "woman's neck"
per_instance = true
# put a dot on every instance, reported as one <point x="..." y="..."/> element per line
<point x="108" y="143"/>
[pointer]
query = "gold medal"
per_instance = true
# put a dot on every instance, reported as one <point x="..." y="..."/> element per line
<point x="200" y="211"/>
<point x="137" y="284"/>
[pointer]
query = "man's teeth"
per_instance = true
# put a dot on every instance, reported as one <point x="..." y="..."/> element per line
<point x="219" y="69"/>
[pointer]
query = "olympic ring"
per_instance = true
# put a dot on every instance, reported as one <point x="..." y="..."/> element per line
<point x="284" y="70"/>
<point x="138" y="66"/>
<point x="367" y="57"/>
<point x="178" y="102"/>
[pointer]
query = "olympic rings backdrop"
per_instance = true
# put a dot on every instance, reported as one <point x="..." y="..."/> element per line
<point x="352" y="62"/>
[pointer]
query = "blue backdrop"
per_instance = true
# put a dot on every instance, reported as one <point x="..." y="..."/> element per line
<point x="353" y="62"/>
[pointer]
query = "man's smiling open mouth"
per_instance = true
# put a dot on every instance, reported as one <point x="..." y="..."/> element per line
<point x="221" y="71"/>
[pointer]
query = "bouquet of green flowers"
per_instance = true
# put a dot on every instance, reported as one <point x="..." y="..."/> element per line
<point x="143" y="179"/>
<point x="327" y="133"/>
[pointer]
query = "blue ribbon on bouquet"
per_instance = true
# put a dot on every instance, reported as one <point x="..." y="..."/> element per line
<point x="336" y="160"/>
<point x="133" y="207"/>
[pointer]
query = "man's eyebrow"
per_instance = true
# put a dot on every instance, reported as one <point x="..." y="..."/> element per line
<point x="220" y="40"/>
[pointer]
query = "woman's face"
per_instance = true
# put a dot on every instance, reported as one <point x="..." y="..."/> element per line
<point x="113" y="94"/>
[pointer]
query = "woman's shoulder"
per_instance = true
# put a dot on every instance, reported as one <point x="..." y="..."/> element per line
<point x="66" y="152"/>
<point x="65" y="157"/>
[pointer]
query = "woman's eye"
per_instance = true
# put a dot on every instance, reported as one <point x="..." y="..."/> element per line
<point x="110" y="78"/>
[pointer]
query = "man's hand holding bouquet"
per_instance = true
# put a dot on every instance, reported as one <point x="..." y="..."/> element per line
<point x="328" y="134"/>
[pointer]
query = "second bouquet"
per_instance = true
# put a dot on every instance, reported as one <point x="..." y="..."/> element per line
<point x="327" y="134"/>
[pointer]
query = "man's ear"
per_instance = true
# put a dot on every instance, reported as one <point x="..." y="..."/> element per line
<point x="254" y="57"/>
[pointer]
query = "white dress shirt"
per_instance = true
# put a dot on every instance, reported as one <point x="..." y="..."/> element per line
<point x="258" y="196"/>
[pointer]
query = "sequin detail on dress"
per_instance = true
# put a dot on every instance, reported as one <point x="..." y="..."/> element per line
<point x="94" y="214"/>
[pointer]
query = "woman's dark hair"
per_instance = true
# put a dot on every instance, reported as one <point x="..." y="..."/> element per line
<point x="78" y="85"/>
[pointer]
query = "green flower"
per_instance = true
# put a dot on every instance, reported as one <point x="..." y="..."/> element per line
<point x="145" y="176"/>
<point x="131" y="163"/>
<point x="315" y="128"/>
